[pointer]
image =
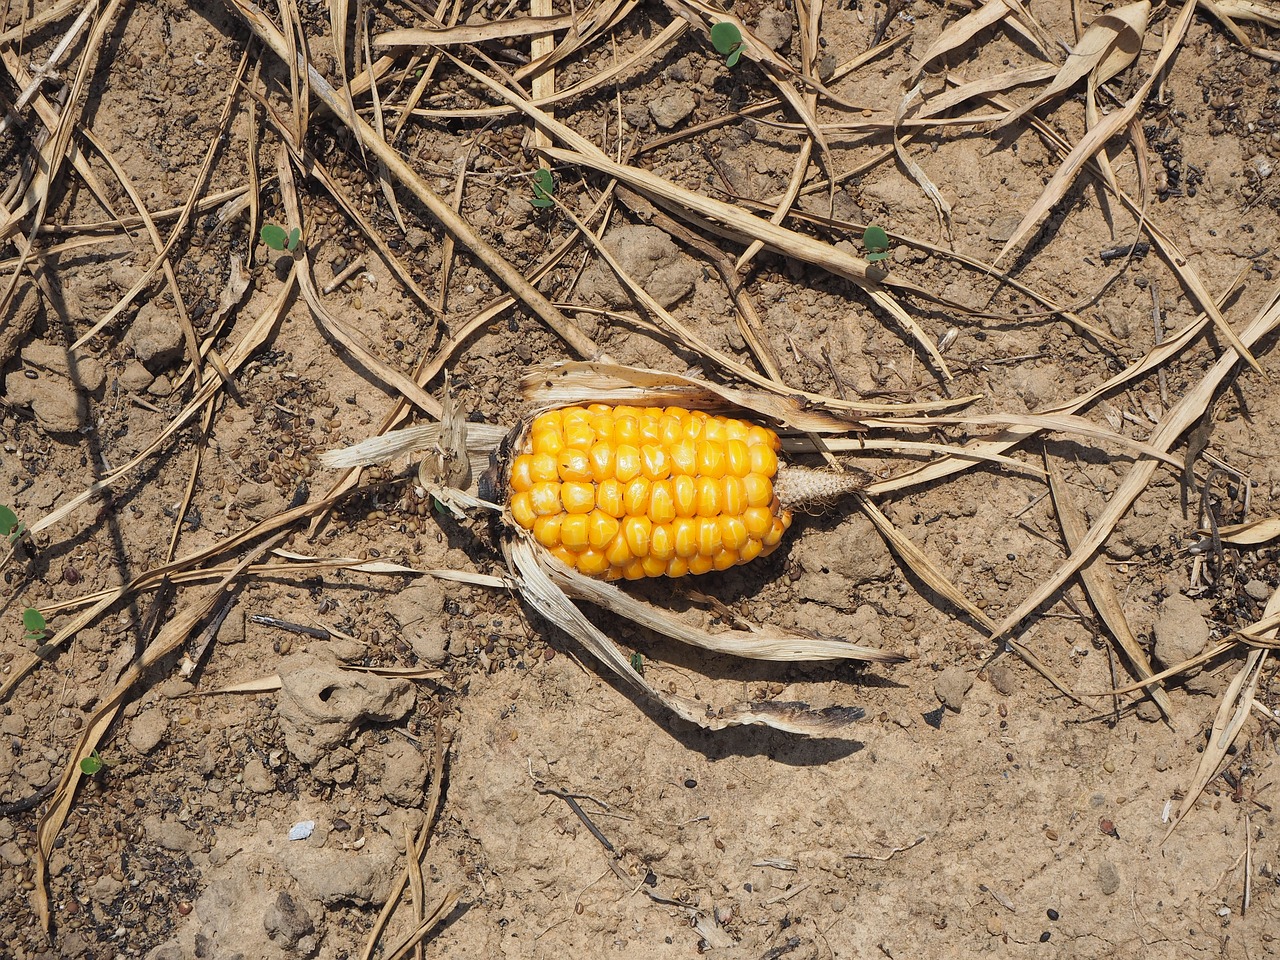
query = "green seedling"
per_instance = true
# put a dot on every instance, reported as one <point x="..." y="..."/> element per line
<point x="275" y="237"/>
<point x="727" y="39"/>
<point x="877" y="243"/>
<point x="637" y="663"/>
<point x="93" y="764"/>
<point x="544" y="188"/>
<point x="36" y="625"/>
<point x="11" y="528"/>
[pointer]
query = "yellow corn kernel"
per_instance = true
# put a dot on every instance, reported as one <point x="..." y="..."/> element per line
<point x="737" y="429"/>
<point x="709" y="540"/>
<point x="759" y="435"/>
<point x="708" y="497"/>
<point x="721" y="561"/>
<point x="521" y="479"/>
<point x="548" y="441"/>
<point x="758" y="490"/>
<point x="684" y="457"/>
<point x="598" y="408"/>
<point x="684" y="494"/>
<point x="634" y="570"/>
<point x="601" y="529"/>
<point x="604" y="461"/>
<point x="636" y="531"/>
<point x="763" y="460"/>
<point x="684" y="536"/>
<point x="662" y="543"/>
<point x="592" y="563"/>
<point x="573" y="464"/>
<point x="574" y="532"/>
<point x="737" y="458"/>
<point x="578" y="497"/>
<point x="654" y="462"/>
<point x="602" y="424"/>
<point x="677" y="567"/>
<point x="626" y="430"/>
<point x="757" y="520"/>
<point x="546" y="530"/>
<point x="653" y="567"/>
<point x="713" y="431"/>
<point x="628" y="463"/>
<point x="609" y="499"/>
<point x="698" y="564"/>
<point x="670" y="431"/>
<point x="651" y="427"/>
<point x="733" y="533"/>
<point x="543" y="467"/>
<point x="750" y="550"/>
<point x="572" y="415"/>
<point x="579" y="435"/>
<point x="711" y="460"/>
<point x="522" y="510"/>
<point x="662" y="508"/>
<point x="693" y="424"/>
<point x="774" y="536"/>
<point x="635" y="497"/>
<point x="565" y="556"/>
<point x="619" y="553"/>
<point x="544" y="497"/>
<point x="732" y="498"/>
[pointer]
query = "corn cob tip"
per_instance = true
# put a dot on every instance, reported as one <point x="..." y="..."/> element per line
<point x="804" y="488"/>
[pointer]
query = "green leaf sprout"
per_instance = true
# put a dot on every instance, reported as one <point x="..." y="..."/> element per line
<point x="275" y="237"/>
<point x="36" y="625"/>
<point x="11" y="528"/>
<point x="877" y="243"/>
<point x="544" y="188"/>
<point x="92" y="764"/>
<point x="727" y="39"/>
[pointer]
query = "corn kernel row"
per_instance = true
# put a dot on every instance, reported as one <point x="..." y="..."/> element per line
<point x="631" y="492"/>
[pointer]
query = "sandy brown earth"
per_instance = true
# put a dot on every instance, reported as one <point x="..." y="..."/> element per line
<point x="975" y="809"/>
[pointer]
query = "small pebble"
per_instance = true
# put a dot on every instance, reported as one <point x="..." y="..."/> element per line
<point x="1052" y="914"/>
<point x="995" y="926"/>
<point x="1108" y="877"/>
<point x="691" y="783"/>
<point x="1257" y="590"/>
<point x="1109" y="766"/>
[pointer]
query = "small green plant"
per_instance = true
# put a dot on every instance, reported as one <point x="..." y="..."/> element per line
<point x="544" y="188"/>
<point x="275" y="237"/>
<point x="877" y="243"/>
<point x="727" y="39"/>
<point x="36" y="625"/>
<point x="93" y="764"/>
<point x="11" y="528"/>
<point x="637" y="663"/>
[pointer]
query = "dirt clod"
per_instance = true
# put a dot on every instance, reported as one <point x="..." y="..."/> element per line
<point x="951" y="686"/>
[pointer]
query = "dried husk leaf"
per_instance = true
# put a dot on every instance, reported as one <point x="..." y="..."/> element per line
<point x="582" y="382"/>
<point x="541" y="592"/>
<point x="1111" y="44"/>
<point x="1229" y="721"/>
<point x="1249" y="534"/>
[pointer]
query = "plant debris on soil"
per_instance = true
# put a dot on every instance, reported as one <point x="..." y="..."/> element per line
<point x="1018" y="265"/>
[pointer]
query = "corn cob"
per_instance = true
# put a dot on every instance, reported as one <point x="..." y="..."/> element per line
<point x="621" y="492"/>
